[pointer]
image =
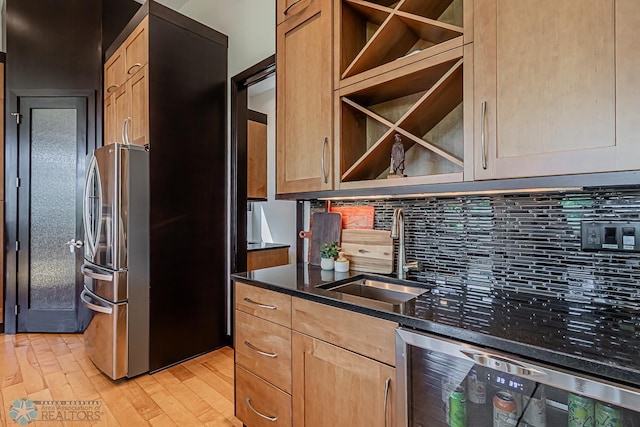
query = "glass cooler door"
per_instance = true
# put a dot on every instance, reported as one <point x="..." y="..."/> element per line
<point x="445" y="383"/>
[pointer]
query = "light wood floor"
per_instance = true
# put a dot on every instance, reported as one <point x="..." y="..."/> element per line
<point x="44" y="367"/>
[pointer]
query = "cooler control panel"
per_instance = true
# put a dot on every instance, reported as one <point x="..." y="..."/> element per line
<point x="621" y="236"/>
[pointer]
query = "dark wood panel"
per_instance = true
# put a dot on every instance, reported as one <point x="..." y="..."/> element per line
<point x="116" y="14"/>
<point x="187" y="125"/>
<point x="151" y="7"/>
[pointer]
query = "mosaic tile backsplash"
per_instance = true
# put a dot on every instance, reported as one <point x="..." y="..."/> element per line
<point x="524" y="250"/>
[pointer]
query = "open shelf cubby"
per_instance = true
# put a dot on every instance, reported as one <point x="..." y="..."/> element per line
<point x="423" y="105"/>
<point x="382" y="34"/>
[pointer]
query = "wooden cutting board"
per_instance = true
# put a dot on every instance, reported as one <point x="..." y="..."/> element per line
<point x="368" y="250"/>
<point x="360" y="217"/>
<point x="327" y="227"/>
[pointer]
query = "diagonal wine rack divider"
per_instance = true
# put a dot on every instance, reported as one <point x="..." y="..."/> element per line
<point x="408" y="28"/>
<point x="438" y="101"/>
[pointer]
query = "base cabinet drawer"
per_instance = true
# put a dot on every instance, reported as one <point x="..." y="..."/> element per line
<point x="264" y="348"/>
<point x="259" y="404"/>
<point x="264" y="303"/>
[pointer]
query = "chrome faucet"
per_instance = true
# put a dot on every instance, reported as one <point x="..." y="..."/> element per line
<point x="397" y="232"/>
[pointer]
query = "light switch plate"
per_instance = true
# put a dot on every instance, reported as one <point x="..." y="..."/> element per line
<point x="619" y="236"/>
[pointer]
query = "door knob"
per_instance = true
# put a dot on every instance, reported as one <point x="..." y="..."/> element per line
<point x="74" y="244"/>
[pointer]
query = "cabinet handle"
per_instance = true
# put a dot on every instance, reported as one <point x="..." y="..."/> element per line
<point x="286" y="11"/>
<point x="387" y="383"/>
<point x="125" y="131"/>
<point x="136" y="65"/>
<point x="268" y="307"/>
<point x="112" y="88"/>
<point x="483" y="137"/>
<point x="266" y="417"/>
<point x="325" y="142"/>
<point x="257" y="350"/>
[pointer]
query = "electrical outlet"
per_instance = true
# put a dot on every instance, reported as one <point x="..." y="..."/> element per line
<point x="619" y="236"/>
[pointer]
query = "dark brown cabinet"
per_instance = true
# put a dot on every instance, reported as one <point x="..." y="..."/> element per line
<point x="173" y="100"/>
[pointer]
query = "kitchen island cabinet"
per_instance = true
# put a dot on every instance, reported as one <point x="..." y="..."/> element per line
<point x="334" y="367"/>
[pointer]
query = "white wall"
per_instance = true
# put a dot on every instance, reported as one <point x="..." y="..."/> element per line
<point x="250" y="25"/>
<point x="273" y="221"/>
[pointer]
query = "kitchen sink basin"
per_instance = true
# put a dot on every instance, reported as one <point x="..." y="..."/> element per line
<point x="376" y="293"/>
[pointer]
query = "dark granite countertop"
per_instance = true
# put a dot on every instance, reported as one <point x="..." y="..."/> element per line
<point x="599" y="338"/>
<point x="261" y="246"/>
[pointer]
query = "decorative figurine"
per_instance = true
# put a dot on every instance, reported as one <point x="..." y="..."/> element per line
<point x="397" y="159"/>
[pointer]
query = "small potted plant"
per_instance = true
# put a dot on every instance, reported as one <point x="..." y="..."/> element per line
<point x="328" y="253"/>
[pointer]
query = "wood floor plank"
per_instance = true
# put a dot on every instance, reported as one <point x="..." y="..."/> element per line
<point x="32" y="377"/>
<point x="55" y="367"/>
<point x="46" y="359"/>
<point x="224" y="404"/>
<point x="123" y="411"/>
<point x="194" y="403"/>
<point x="10" y="394"/>
<point x="173" y="408"/>
<point x="139" y="399"/>
<point x="57" y="344"/>
<point x="216" y="381"/>
<point x="162" y="420"/>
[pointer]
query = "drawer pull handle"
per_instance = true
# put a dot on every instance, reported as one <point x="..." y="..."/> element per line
<point x="268" y="307"/>
<point x="483" y="134"/>
<point x="112" y="88"/>
<point x="286" y="11"/>
<point x="325" y="141"/>
<point x="387" y="383"/>
<point x="134" y="66"/>
<point x="257" y="350"/>
<point x="266" y="417"/>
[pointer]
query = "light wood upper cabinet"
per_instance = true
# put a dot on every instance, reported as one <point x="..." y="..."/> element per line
<point x="296" y="11"/>
<point x="545" y="87"/>
<point x="126" y="108"/>
<point x="109" y="120"/>
<point x="122" y="111"/>
<point x="136" y="48"/>
<point x="138" y="88"/>
<point x="628" y="82"/>
<point x="114" y="75"/>
<point x="335" y="387"/>
<point x="304" y="103"/>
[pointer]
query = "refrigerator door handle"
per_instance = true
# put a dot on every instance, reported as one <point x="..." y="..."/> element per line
<point x="92" y="306"/>
<point x="92" y="241"/>
<point x="87" y="271"/>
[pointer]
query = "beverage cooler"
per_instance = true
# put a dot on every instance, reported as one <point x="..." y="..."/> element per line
<point x="446" y="383"/>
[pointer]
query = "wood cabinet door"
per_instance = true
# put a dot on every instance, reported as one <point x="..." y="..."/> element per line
<point x="122" y="111"/>
<point x="109" y="120"/>
<point x="136" y="48"/>
<point x="304" y="107"/>
<point x="628" y="83"/>
<point x="114" y="75"/>
<point x="296" y="11"/>
<point x="545" y="88"/>
<point x="335" y="387"/>
<point x="257" y="159"/>
<point x="138" y="88"/>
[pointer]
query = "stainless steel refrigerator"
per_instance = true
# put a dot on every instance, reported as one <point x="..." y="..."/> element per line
<point x="116" y="261"/>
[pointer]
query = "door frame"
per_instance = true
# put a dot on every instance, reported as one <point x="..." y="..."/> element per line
<point x="11" y="191"/>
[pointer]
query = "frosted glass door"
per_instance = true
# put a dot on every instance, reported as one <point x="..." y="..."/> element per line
<point x="52" y="155"/>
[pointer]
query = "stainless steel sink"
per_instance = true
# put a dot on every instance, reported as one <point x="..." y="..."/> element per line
<point x="377" y="294"/>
